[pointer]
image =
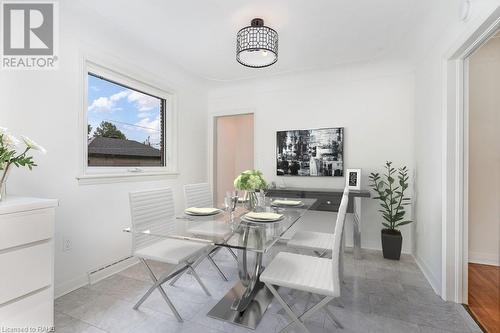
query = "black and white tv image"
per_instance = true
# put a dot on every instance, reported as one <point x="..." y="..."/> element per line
<point x="310" y="152"/>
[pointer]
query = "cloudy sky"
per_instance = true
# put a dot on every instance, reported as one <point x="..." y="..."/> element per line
<point x="136" y="114"/>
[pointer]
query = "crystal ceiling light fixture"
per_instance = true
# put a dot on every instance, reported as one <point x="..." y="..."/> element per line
<point x="257" y="45"/>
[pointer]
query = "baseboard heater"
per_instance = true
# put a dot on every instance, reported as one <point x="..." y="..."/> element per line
<point x="112" y="268"/>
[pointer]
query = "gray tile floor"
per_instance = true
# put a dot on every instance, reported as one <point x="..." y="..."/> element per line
<point x="378" y="296"/>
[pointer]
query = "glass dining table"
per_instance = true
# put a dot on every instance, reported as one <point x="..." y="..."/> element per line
<point x="248" y="299"/>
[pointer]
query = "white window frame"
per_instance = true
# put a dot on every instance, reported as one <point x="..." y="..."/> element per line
<point x="106" y="174"/>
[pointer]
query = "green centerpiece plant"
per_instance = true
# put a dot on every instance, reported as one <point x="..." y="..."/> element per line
<point x="10" y="156"/>
<point x="250" y="181"/>
<point x="390" y="188"/>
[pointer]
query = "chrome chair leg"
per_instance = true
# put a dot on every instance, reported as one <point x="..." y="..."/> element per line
<point x="330" y="313"/>
<point x="217" y="267"/>
<point x="193" y="272"/>
<point x="197" y="262"/>
<point x="299" y="320"/>
<point x="232" y="253"/>
<point x="308" y="300"/>
<point x="333" y="318"/>
<point x="193" y="265"/>
<point x="157" y="285"/>
<point x="321" y="305"/>
<point x="288" y="310"/>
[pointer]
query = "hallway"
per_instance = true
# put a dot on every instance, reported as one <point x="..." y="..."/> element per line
<point x="484" y="295"/>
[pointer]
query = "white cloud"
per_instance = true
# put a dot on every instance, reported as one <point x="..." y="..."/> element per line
<point x="143" y="102"/>
<point x="101" y="103"/>
<point x="116" y="97"/>
<point x="149" y="126"/>
<point x="144" y="114"/>
<point x="107" y="104"/>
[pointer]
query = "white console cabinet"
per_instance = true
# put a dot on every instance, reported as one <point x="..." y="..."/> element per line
<point x="27" y="264"/>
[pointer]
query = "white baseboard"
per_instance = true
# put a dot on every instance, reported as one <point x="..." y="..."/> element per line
<point x="484" y="258"/>
<point x="111" y="269"/>
<point x="66" y="287"/>
<point x="85" y="279"/>
<point x="431" y="278"/>
<point x="403" y="251"/>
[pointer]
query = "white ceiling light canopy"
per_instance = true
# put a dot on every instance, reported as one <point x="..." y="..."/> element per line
<point x="257" y="45"/>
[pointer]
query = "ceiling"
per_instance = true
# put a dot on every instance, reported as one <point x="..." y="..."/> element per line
<point x="199" y="35"/>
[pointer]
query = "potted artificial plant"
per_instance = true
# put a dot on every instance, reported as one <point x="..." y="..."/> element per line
<point x="390" y="188"/>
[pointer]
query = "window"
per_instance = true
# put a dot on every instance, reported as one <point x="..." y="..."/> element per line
<point x="129" y="126"/>
<point x="125" y="126"/>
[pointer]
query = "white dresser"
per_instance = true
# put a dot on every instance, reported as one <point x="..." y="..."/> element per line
<point x="27" y="263"/>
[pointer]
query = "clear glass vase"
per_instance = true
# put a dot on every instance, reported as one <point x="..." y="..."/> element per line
<point x="251" y="200"/>
<point x="4" y="175"/>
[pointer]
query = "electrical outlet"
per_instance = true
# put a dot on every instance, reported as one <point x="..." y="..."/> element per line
<point x="66" y="245"/>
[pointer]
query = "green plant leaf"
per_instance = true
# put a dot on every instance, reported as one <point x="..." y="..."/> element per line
<point x="403" y="223"/>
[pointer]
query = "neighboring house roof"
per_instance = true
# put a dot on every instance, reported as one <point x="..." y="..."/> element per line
<point x="111" y="146"/>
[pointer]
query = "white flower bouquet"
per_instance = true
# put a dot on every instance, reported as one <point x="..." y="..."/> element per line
<point x="9" y="156"/>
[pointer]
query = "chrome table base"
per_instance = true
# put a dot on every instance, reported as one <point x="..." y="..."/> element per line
<point x="251" y="316"/>
<point x="247" y="301"/>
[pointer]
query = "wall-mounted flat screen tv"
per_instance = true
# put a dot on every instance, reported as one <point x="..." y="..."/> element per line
<point x="312" y="152"/>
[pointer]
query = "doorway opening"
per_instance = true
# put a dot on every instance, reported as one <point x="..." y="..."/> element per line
<point x="233" y="151"/>
<point x="455" y="158"/>
<point x="483" y="120"/>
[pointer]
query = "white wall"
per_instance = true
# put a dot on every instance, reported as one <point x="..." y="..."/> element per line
<point x="484" y="154"/>
<point x="374" y="103"/>
<point x="46" y="106"/>
<point x="430" y="44"/>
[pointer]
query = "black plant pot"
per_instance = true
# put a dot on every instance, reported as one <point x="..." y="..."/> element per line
<point x="391" y="244"/>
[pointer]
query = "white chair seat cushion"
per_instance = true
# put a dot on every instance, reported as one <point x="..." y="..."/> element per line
<point x="316" y="241"/>
<point x="301" y="272"/>
<point x="171" y="251"/>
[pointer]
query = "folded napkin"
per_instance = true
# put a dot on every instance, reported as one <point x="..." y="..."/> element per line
<point x="201" y="211"/>
<point x="264" y="216"/>
<point x="287" y="202"/>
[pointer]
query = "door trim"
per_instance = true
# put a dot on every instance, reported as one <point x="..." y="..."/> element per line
<point x="455" y="158"/>
<point x="212" y="141"/>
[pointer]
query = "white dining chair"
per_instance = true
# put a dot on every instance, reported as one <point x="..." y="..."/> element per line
<point x="200" y="195"/>
<point x="317" y="242"/>
<point x="320" y="243"/>
<point x="153" y="212"/>
<point x="319" y="276"/>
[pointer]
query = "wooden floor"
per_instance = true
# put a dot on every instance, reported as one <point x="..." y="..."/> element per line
<point x="484" y="295"/>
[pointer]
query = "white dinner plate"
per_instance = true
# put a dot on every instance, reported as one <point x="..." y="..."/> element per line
<point x="202" y="214"/>
<point x="249" y="219"/>
<point x="284" y="205"/>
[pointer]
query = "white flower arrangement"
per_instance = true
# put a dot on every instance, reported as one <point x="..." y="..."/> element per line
<point x="33" y="145"/>
<point x="250" y="180"/>
<point x="10" y="156"/>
